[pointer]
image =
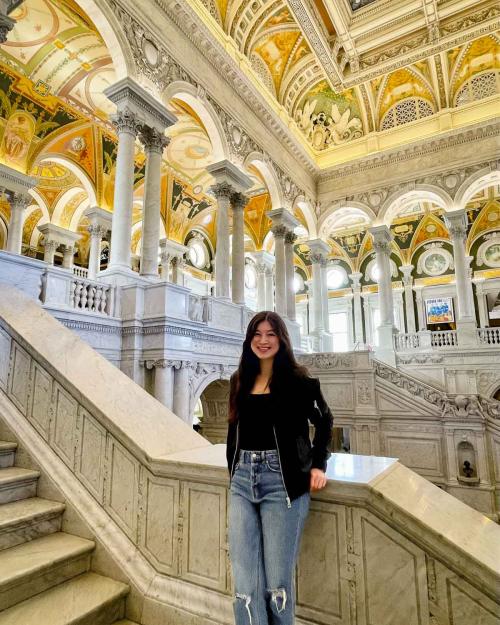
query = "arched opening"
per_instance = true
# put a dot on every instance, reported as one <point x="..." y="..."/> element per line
<point x="214" y="411"/>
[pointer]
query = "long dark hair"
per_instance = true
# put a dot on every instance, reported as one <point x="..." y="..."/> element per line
<point x="285" y="367"/>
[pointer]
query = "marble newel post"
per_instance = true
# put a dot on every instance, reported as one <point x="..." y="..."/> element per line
<point x="228" y="180"/>
<point x="409" y="303"/>
<point x="382" y="244"/>
<point x="100" y="224"/>
<point x="238" y="203"/>
<point x="358" y="313"/>
<point x="19" y="202"/>
<point x="154" y="142"/>
<point x="290" y="238"/>
<point x="318" y="255"/>
<point x="456" y="222"/>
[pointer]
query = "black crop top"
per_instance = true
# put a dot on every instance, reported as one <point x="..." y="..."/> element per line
<point x="256" y="423"/>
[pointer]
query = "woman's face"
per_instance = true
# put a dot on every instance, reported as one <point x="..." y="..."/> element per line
<point x="265" y="342"/>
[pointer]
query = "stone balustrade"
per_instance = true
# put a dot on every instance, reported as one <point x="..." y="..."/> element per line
<point x="406" y="341"/>
<point x="80" y="272"/>
<point x="489" y="336"/>
<point x="380" y="540"/>
<point x="445" y="338"/>
<point x="92" y="296"/>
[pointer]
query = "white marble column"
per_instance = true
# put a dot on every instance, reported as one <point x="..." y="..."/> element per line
<point x="409" y="303"/>
<point x="49" y="251"/>
<point x="178" y="266"/>
<point x="324" y="296"/>
<point x="382" y="244"/>
<point x="222" y="192"/>
<point x="19" y="202"/>
<point x="421" y="318"/>
<point x="456" y="222"/>
<point x="238" y="203"/>
<point x="316" y="259"/>
<point x="127" y="126"/>
<point x="358" y="313"/>
<point x="96" y="232"/>
<point x="261" y="286"/>
<point x="269" y="289"/>
<point x="290" y="238"/>
<point x="68" y="254"/>
<point x="482" y="304"/>
<point x="164" y="382"/>
<point x="154" y="142"/>
<point x="279" y="233"/>
<point x="181" y="391"/>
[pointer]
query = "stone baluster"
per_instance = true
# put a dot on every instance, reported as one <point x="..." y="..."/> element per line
<point x="19" y="202"/>
<point x="409" y="303"/>
<point x="238" y="203"/>
<point x="456" y="222"/>
<point x="279" y="232"/>
<point x="290" y="238"/>
<point x="355" y="278"/>
<point x="154" y="142"/>
<point x="68" y="253"/>
<point x="382" y="244"/>
<point x="127" y="125"/>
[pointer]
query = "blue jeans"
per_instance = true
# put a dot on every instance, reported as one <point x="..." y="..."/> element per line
<point x="264" y="538"/>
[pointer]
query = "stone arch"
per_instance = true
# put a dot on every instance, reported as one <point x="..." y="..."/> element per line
<point x="44" y="219"/>
<point x="329" y="217"/>
<point x="3" y="233"/>
<point x="81" y="174"/>
<point x="478" y="181"/>
<point x="111" y="30"/>
<point x="258" y="160"/>
<point x="188" y="93"/>
<point x="66" y="197"/>
<point x="304" y="205"/>
<point x="213" y="391"/>
<point x="398" y="201"/>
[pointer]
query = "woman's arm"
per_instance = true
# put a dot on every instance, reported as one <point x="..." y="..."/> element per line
<point x="322" y="419"/>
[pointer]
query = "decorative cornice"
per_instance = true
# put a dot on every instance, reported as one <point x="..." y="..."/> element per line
<point x="411" y="151"/>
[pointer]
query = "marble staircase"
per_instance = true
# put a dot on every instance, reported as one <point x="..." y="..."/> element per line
<point x="45" y="575"/>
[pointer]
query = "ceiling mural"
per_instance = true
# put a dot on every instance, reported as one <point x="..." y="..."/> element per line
<point x="317" y="79"/>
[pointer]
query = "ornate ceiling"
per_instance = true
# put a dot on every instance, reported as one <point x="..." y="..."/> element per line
<point x="343" y="70"/>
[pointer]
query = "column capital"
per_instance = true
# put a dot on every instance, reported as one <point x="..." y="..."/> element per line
<point x="290" y="237"/>
<point x="406" y="270"/>
<point x="126" y="121"/>
<point x="281" y="216"/>
<point x="238" y="201"/>
<point x="61" y="235"/>
<point x="222" y="190"/>
<point x="20" y="201"/>
<point x="153" y="139"/>
<point x="50" y="245"/>
<point x="225" y="171"/>
<point x="456" y="223"/>
<point x="96" y="230"/>
<point x="355" y="277"/>
<point x="382" y="239"/>
<point x="279" y="231"/>
<point x="318" y="246"/>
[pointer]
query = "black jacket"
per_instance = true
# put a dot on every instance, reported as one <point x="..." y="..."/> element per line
<point x="294" y="409"/>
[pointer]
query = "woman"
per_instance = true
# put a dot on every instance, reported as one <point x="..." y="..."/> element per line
<point x="272" y="468"/>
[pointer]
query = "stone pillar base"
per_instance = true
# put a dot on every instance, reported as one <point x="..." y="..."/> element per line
<point x="385" y="350"/>
<point x="467" y="334"/>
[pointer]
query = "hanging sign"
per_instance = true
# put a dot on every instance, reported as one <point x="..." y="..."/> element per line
<point x="439" y="310"/>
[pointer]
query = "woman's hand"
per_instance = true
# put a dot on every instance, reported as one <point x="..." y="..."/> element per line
<point x="318" y="479"/>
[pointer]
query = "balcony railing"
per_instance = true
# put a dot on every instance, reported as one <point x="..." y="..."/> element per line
<point x="489" y="336"/>
<point x="444" y="338"/>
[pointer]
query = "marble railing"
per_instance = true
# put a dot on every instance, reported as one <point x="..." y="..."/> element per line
<point x="380" y="540"/>
<point x="80" y="272"/>
<point x="405" y="341"/>
<point x="489" y="336"/>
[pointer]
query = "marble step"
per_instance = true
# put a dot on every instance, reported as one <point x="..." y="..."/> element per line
<point x="88" y="599"/>
<point x="7" y="454"/>
<point x="17" y="483"/>
<point x="21" y="521"/>
<point x="29" y="569"/>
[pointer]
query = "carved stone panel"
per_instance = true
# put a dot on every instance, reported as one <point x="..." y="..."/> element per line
<point x="91" y="455"/>
<point x="63" y="425"/>
<point x="392" y="586"/>
<point x="339" y="394"/>
<point x="5" y="342"/>
<point x="19" y="378"/>
<point x="158" y="523"/>
<point x="322" y="588"/>
<point x="41" y="395"/>
<point x="420" y="454"/>
<point x="122" y="487"/>
<point x="204" y="529"/>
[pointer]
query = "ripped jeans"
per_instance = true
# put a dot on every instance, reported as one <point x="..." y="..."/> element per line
<point x="264" y="538"/>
